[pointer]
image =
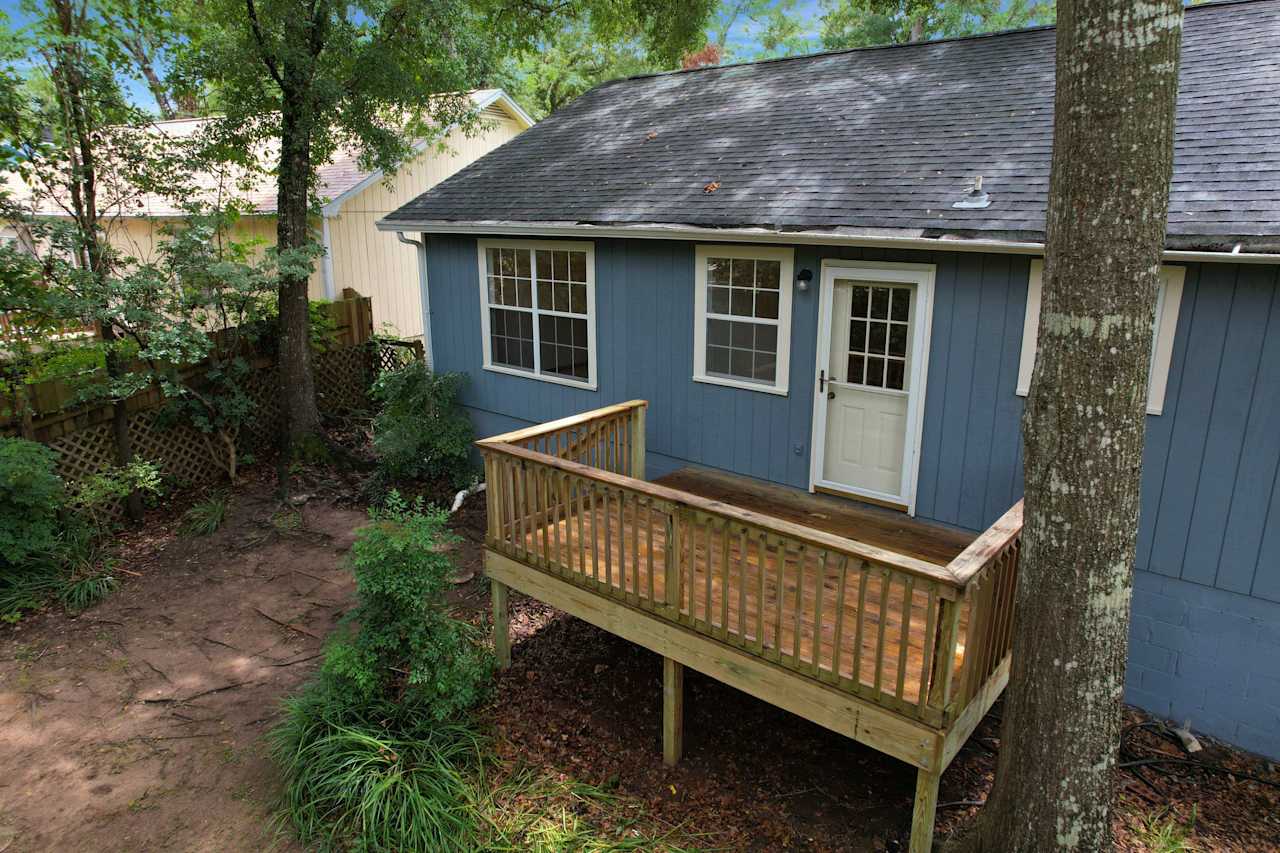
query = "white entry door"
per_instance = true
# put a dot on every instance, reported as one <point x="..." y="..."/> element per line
<point x="870" y="381"/>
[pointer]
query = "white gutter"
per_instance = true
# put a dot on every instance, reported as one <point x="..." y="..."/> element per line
<point x="326" y="263"/>
<point x="426" y="295"/>
<point x="762" y="235"/>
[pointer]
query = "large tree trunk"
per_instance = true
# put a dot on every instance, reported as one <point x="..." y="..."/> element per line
<point x="1083" y="429"/>
<point x="293" y="232"/>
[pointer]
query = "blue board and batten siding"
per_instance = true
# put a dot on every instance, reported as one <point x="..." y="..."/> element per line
<point x="1206" y="627"/>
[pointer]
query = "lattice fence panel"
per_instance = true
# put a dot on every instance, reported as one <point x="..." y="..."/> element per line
<point x="343" y="377"/>
<point x="85" y="452"/>
<point x="184" y="455"/>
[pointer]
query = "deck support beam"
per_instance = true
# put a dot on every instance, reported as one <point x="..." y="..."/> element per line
<point x="922" y="813"/>
<point x="501" y="624"/>
<point x="672" y="711"/>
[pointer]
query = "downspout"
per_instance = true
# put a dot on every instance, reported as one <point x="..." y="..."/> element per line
<point x="421" y="246"/>
<point x="326" y="263"/>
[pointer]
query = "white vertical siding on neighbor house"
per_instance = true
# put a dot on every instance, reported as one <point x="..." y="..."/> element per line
<point x="377" y="264"/>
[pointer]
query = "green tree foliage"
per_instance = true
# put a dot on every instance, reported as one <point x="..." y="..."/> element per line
<point x="420" y="431"/>
<point x="860" y="23"/>
<point x="378" y="77"/>
<point x="74" y="145"/>
<point x="568" y="63"/>
<point x="31" y="501"/>
<point x="778" y="26"/>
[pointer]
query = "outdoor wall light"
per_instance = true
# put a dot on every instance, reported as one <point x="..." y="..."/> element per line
<point x="802" y="280"/>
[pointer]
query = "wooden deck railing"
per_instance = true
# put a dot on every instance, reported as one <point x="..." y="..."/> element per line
<point x="922" y="639"/>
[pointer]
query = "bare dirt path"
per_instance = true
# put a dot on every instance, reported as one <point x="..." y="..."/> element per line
<point x="139" y="725"/>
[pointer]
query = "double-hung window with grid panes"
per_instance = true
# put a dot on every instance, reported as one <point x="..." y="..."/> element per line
<point x="539" y="306"/>
<point x="743" y="316"/>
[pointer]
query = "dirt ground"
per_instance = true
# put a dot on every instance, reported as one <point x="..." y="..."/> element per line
<point x="139" y="725"/>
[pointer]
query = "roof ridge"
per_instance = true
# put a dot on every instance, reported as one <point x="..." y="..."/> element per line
<point x="822" y="54"/>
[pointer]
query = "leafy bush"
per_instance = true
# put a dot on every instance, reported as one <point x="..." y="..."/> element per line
<point x="51" y="537"/>
<point x="377" y="752"/>
<point x="409" y="649"/>
<point x="97" y="496"/>
<point x="31" y="500"/>
<point x="420" y="430"/>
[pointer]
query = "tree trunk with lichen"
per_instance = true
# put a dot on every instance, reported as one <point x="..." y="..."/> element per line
<point x="1084" y="426"/>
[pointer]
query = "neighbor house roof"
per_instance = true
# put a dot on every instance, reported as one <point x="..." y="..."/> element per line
<point x="338" y="179"/>
<point x="879" y="141"/>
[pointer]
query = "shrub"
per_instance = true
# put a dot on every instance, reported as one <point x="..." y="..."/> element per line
<point x="50" y="537"/>
<point x="420" y="430"/>
<point x="409" y="650"/>
<point x="377" y="752"/>
<point x="31" y="500"/>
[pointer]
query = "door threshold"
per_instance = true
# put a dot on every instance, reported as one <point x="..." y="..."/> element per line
<point x="853" y="496"/>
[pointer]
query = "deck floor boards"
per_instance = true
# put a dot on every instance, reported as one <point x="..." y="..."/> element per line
<point x="726" y="592"/>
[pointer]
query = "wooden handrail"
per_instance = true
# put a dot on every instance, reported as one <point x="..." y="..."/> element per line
<point x="987" y="547"/>
<point x="809" y="535"/>
<point x="564" y="423"/>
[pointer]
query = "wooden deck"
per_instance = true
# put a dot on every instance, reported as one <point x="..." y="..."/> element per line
<point x="728" y="587"/>
<point x="889" y="630"/>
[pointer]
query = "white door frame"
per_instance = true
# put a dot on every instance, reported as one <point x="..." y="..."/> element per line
<point x="922" y="276"/>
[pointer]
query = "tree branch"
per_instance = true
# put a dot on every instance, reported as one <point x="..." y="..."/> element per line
<point x="267" y="58"/>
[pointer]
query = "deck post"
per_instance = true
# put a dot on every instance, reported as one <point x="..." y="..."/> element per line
<point x="637" y="442"/>
<point x="501" y="628"/>
<point x="922" y="813"/>
<point x="672" y="711"/>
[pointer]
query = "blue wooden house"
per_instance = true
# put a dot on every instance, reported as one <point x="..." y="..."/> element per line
<point x="823" y="276"/>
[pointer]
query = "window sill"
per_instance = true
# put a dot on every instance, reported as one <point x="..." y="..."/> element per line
<point x="742" y="385"/>
<point x="537" y="377"/>
<point x="1152" y="408"/>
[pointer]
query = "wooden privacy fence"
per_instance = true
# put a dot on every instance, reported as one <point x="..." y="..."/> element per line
<point x="920" y="639"/>
<point x="82" y="434"/>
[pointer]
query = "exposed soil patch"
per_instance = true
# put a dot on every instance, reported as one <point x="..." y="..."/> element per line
<point x="138" y="725"/>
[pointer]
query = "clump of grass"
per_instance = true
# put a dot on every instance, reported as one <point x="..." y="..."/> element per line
<point x="1163" y="832"/>
<point x="357" y="786"/>
<point x="80" y="592"/>
<point x="204" y="518"/>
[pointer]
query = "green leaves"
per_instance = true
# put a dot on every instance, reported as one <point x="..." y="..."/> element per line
<point x="408" y="649"/>
<point x="860" y="23"/>
<point x="420" y="430"/>
<point x="31" y="499"/>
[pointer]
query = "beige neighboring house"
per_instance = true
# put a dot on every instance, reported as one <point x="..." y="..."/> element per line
<point x="357" y="255"/>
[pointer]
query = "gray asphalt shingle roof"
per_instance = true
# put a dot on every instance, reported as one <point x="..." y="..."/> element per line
<point x="883" y="138"/>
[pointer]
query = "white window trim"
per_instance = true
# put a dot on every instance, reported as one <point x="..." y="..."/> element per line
<point x="1168" y="302"/>
<point x="486" y="343"/>
<point x="786" y="275"/>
